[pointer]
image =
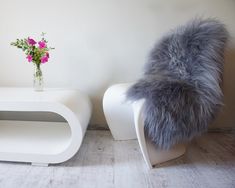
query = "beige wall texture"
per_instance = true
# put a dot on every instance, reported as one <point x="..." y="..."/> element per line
<point x="102" y="42"/>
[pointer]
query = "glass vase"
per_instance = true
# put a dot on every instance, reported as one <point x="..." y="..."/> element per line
<point x="37" y="78"/>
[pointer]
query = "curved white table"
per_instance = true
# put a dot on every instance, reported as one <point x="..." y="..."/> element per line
<point x="42" y="142"/>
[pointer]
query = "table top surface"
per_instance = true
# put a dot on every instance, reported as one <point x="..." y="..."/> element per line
<point x="15" y="94"/>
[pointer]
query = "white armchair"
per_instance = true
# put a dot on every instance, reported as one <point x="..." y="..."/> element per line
<point x="126" y="121"/>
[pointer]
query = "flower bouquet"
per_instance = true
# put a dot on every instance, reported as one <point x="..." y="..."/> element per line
<point x="37" y="53"/>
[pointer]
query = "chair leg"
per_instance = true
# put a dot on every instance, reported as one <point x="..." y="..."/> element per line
<point x="152" y="155"/>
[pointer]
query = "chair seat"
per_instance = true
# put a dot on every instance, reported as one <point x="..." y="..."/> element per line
<point x="118" y="112"/>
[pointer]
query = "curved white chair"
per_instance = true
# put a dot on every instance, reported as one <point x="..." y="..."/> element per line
<point x="126" y="121"/>
<point x="118" y="112"/>
<point x="42" y="142"/>
<point x="152" y="155"/>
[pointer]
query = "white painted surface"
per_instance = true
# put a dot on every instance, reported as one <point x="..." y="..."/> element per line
<point x="43" y="142"/>
<point x="126" y="122"/>
<point x="34" y="137"/>
<point x="152" y="155"/>
<point x="100" y="43"/>
<point x="118" y="112"/>
<point x="104" y="163"/>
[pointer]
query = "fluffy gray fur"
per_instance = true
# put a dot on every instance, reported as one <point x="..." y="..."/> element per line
<point x="181" y="82"/>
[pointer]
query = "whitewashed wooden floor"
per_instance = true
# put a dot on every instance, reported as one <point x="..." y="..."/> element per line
<point x="102" y="162"/>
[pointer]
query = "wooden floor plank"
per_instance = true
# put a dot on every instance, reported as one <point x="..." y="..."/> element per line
<point x="104" y="163"/>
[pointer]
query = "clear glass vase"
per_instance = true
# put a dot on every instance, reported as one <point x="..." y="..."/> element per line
<point x="37" y="78"/>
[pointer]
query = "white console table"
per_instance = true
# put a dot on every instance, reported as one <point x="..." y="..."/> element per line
<point x="42" y="142"/>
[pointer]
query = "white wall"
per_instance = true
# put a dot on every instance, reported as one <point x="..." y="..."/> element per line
<point x="100" y="42"/>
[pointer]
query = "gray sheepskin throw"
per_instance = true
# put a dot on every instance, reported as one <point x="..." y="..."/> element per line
<point x="181" y="82"/>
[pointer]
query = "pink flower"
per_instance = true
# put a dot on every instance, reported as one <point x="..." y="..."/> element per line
<point x="31" y="41"/>
<point x="42" y="44"/>
<point x="44" y="59"/>
<point x="29" y="57"/>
